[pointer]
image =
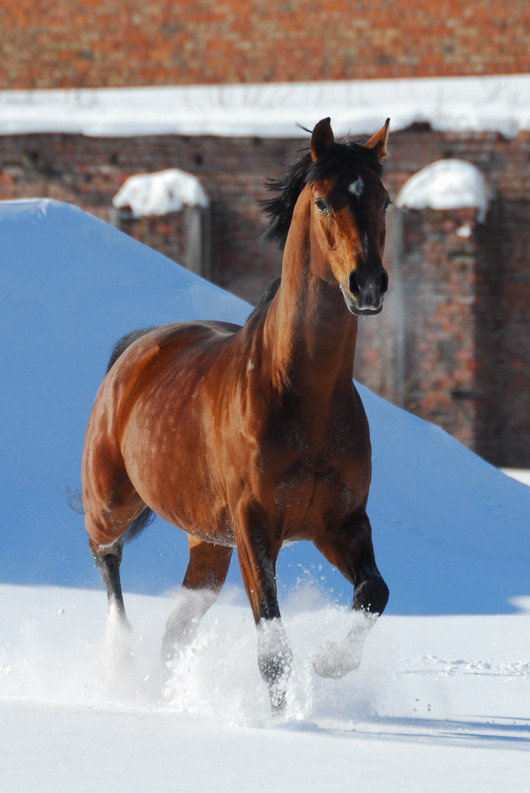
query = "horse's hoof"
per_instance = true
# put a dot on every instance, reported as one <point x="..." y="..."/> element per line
<point x="278" y="702"/>
<point x="168" y="651"/>
<point x="335" y="660"/>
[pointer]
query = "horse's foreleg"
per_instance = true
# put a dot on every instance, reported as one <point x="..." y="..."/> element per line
<point x="351" y="551"/>
<point x="205" y="576"/>
<point x="257" y="558"/>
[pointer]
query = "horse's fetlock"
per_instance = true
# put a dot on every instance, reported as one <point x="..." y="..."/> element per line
<point x="274" y="651"/>
<point x="275" y="667"/>
<point x="371" y="595"/>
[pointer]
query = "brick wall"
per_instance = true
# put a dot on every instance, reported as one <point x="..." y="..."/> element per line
<point x="502" y="338"/>
<point x="73" y="43"/>
<point x="467" y="299"/>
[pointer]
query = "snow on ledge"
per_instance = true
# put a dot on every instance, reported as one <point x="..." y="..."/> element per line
<point x="446" y="184"/>
<point x="160" y="192"/>
<point x="271" y="110"/>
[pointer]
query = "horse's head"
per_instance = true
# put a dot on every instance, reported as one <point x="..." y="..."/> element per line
<point x="348" y="205"/>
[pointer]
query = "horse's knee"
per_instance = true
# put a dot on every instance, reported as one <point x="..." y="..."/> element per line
<point x="371" y="595"/>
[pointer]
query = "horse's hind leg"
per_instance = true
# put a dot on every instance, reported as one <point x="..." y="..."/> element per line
<point x="351" y="551"/>
<point x="112" y="506"/>
<point x="205" y="575"/>
<point x="108" y="560"/>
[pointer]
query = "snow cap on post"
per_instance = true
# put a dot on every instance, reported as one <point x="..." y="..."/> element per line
<point x="446" y="184"/>
<point x="160" y="193"/>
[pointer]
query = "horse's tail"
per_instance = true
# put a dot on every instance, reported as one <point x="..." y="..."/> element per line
<point x="141" y="522"/>
<point x="125" y="342"/>
<point x="147" y="515"/>
<point x="74" y="498"/>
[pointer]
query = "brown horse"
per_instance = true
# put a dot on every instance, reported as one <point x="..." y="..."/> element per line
<point x="249" y="437"/>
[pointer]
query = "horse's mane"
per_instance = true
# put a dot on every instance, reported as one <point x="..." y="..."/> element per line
<point x="266" y="297"/>
<point x="305" y="171"/>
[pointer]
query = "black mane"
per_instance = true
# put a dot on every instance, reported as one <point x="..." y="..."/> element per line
<point x="304" y="171"/>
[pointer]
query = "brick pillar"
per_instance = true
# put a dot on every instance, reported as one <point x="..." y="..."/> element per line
<point x="164" y="233"/>
<point x="436" y="368"/>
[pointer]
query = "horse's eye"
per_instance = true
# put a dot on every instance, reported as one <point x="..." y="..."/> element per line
<point x="321" y="205"/>
<point x="386" y="204"/>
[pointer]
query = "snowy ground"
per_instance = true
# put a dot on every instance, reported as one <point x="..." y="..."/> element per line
<point x="439" y="704"/>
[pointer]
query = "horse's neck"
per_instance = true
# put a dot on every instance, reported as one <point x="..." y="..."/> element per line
<point x="310" y="334"/>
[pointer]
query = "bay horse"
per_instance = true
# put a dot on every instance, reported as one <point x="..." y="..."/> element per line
<point x="250" y="437"/>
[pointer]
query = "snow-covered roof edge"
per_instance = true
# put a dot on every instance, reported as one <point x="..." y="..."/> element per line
<point x="272" y="110"/>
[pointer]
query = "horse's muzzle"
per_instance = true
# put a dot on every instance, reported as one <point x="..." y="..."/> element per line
<point x="364" y="296"/>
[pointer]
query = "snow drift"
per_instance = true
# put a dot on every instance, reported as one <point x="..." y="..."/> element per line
<point x="450" y="531"/>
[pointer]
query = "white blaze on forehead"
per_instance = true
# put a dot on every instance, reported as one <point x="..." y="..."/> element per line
<point x="356" y="188"/>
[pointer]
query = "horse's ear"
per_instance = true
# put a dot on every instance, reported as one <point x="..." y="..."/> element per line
<point x="321" y="139"/>
<point x="378" y="142"/>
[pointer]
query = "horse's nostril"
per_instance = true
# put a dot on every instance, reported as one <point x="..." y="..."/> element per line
<point x="384" y="282"/>
<point x="354" y="284"/>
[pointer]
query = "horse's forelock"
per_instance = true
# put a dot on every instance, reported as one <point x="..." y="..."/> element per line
<point x="306" y="171"/>
<point x="342" y="156"/>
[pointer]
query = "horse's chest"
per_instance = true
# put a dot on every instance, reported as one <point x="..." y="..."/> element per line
<point x="325" y="443"/>
<point x="313" y="478"/>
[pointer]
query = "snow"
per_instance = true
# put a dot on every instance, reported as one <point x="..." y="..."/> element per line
<point x="446" y="184"/>
<point x="465" y="104"/>
<point x="160" y="192"/>
<point x="440" y="701"/>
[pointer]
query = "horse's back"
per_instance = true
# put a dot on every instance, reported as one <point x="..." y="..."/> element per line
<point x="178" y="335"/>
<point x="157" y="369"/>
<point x="142" y="354"/>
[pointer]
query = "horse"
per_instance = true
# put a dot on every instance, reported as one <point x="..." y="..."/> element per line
<point x="255" y="436"/>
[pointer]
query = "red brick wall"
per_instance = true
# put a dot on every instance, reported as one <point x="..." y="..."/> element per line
<point x="467" y="308"/>
<point x="72" y="43"/>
